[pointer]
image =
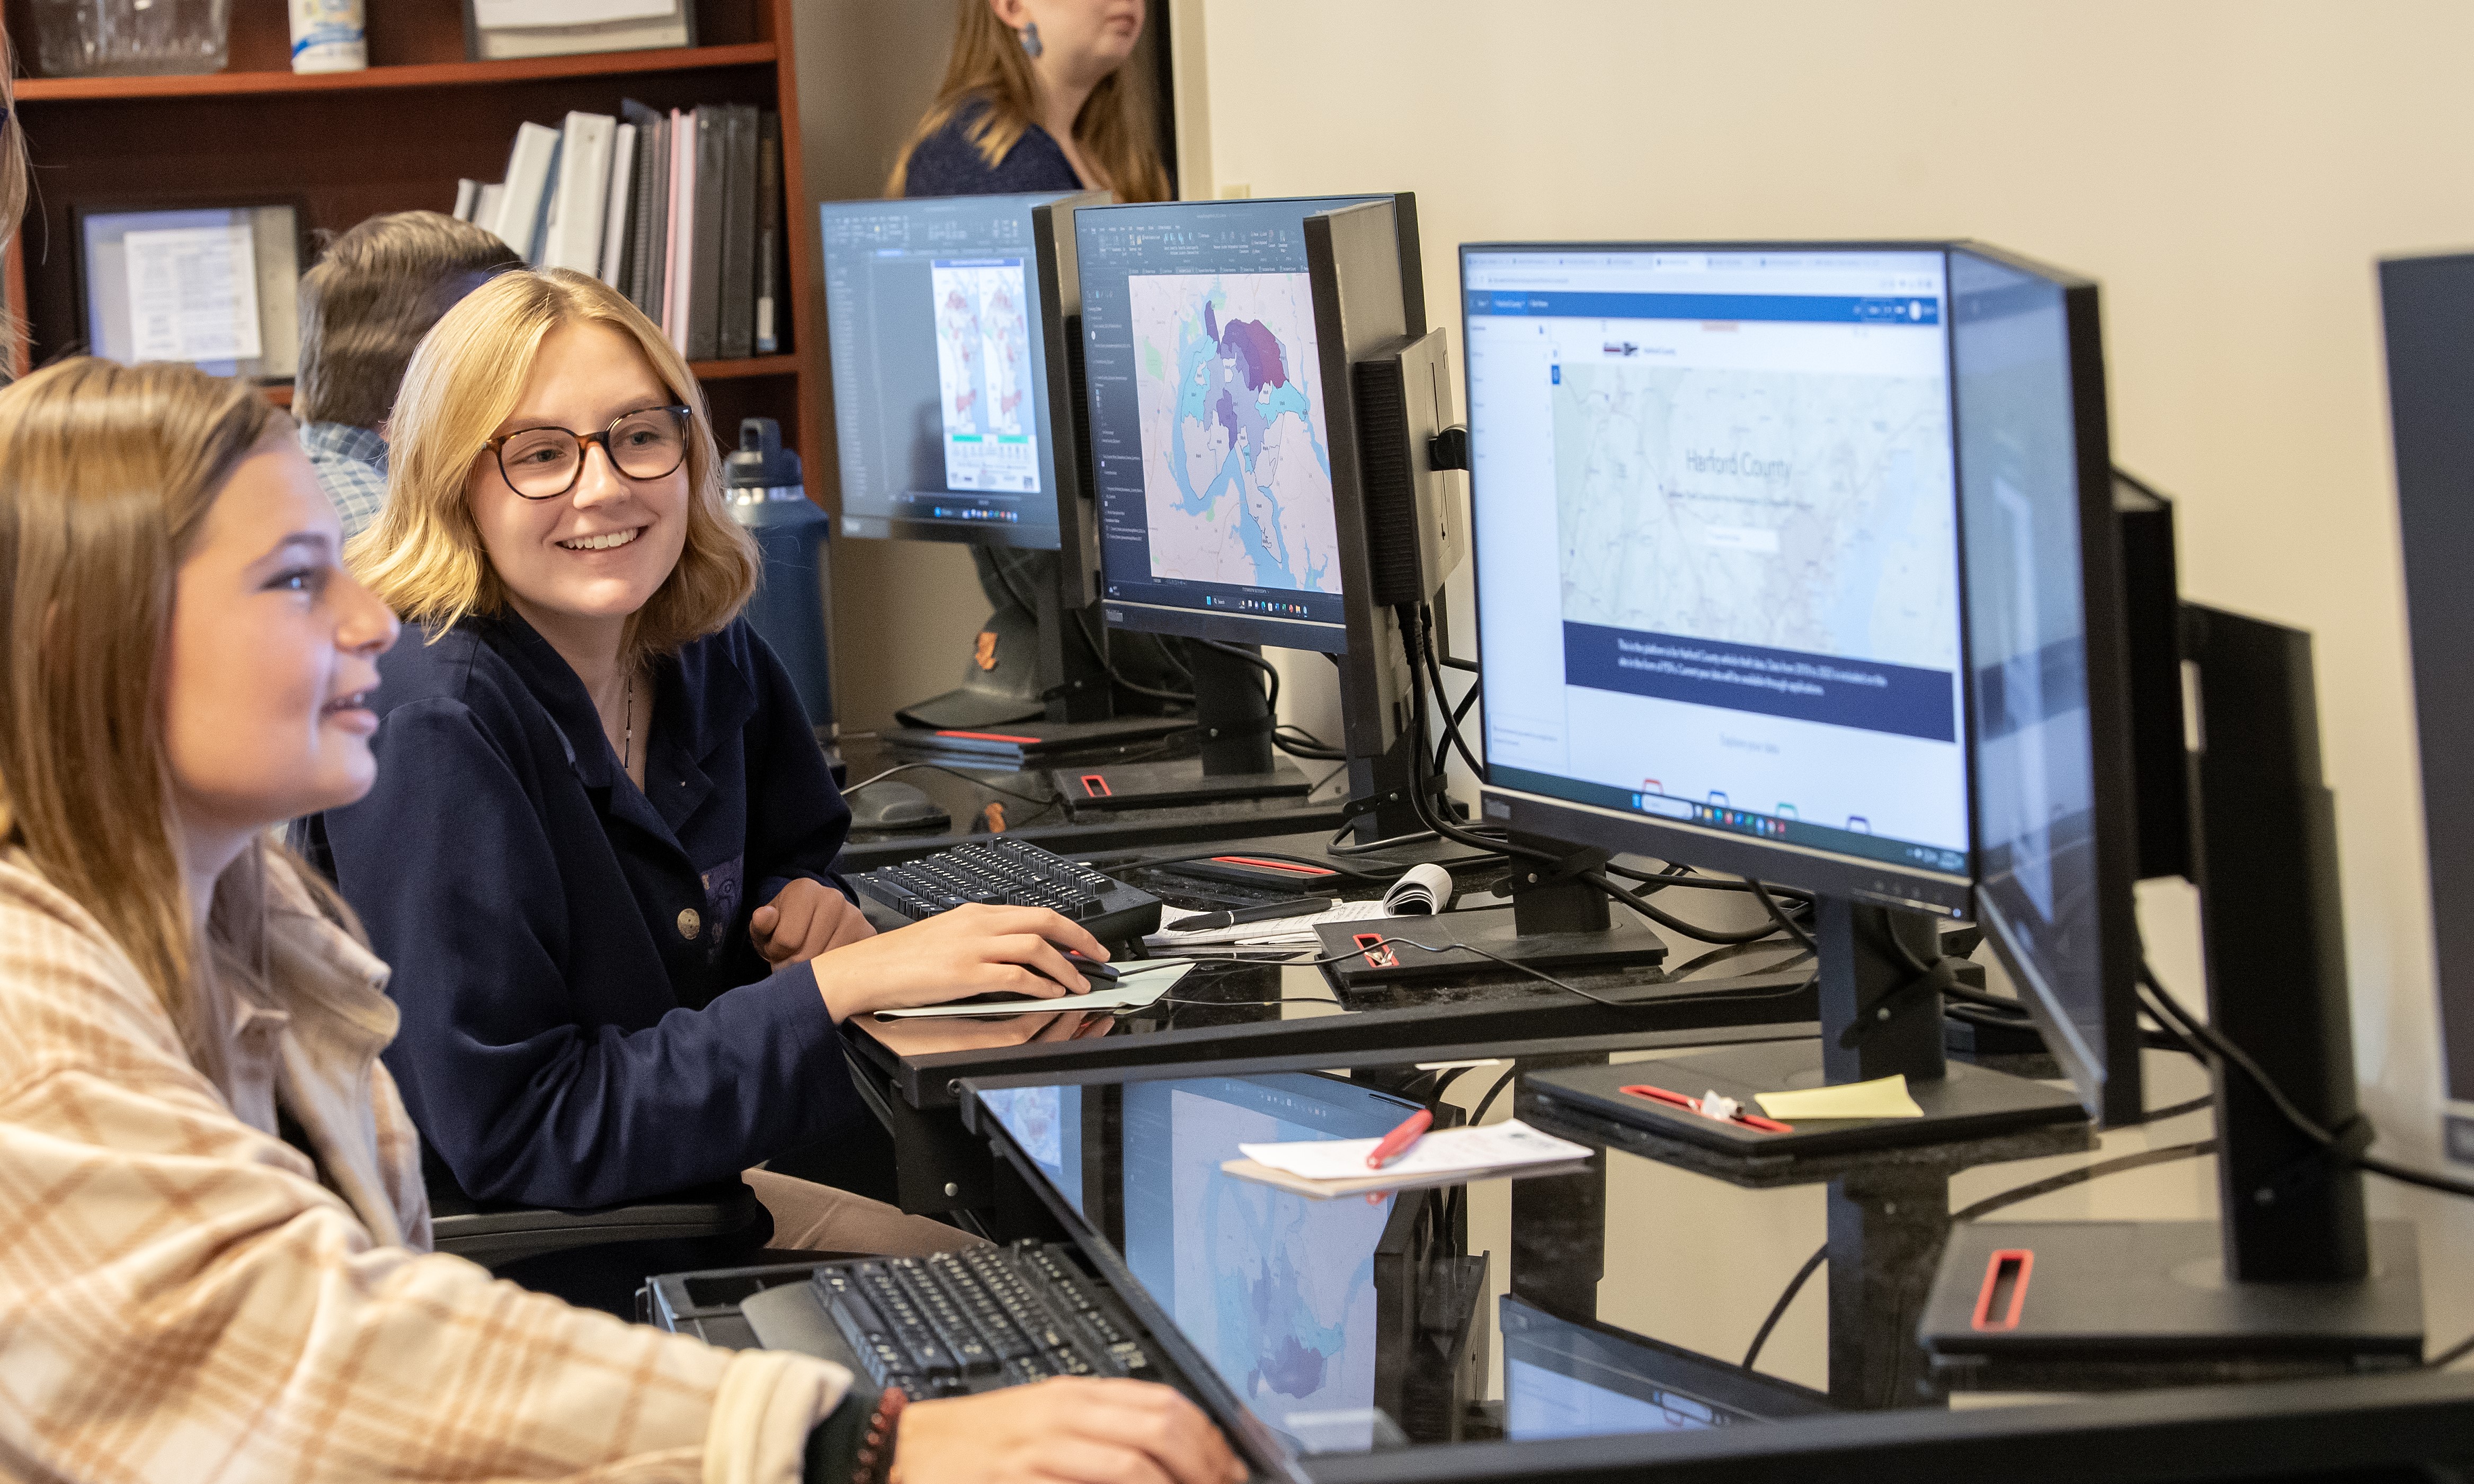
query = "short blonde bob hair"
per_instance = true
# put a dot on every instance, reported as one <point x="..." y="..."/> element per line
<point x="424" y="556"/>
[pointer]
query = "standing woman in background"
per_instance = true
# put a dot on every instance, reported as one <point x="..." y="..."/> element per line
<point x="1038" y="97"/>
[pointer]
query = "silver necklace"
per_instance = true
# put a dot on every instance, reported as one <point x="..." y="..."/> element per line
<point x="627" y="742"/>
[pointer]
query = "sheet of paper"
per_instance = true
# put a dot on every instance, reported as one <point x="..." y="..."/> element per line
<point x="1300" y="930"/>
<point x="503" y="14"/>
<point x="1486" y="1147"/>
<point x="1883" y="1097"/>
<point x="193" y="294"/>
<point x="1135" y="989"/>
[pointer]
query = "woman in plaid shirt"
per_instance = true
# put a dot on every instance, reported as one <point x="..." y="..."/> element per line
<point x="211" y="1217"/>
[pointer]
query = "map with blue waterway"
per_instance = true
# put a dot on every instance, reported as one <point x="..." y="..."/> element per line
<point x="1236" y="470"/>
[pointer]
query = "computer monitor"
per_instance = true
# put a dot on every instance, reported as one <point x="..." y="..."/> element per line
<point x="1263" y="396"/>
<point x="1568" y="1378"/>
<point x="2428" y="303"/>
<point x="2056" y="831"/>
<point x="944" y="418"/>
<point x="1276" y="1290"/>
<point x="1211" y="409"/>
<point x="1721" y="617"/>
<point x="956" y="414"/>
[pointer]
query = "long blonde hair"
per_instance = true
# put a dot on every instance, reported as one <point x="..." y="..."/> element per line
<point x="107" y="476"/>
<point x="1117" y="130"/>
<point x="424" y="556"/>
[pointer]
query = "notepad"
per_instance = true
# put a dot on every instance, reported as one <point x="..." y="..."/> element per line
<point x="1883" y="1097"/>
<point x="1136" y="988"/>
<point x="1491" y="1146"/>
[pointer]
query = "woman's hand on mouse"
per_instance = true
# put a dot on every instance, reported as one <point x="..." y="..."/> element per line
<point x="977" y="949"/>
<point x="805" y="918"/>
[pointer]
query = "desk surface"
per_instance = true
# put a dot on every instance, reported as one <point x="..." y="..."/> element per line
<point x="1237" y="1009"/>
<point x="964" y="791"/>
<point x="1618" y="1300"/>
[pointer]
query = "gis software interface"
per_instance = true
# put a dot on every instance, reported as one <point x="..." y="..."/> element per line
<point x="1209" y="447"/>
<point x="2019" y="481"/>
<point x="941" y="404"/>
<point x="1275" y="1288"/>
<point x="1717" y="539"/>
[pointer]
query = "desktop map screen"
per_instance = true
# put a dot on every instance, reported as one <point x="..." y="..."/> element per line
<point x="1211" y="450"/>
<point x="1732" y="473"/>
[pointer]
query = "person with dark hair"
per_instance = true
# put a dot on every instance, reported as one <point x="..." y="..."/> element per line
<point x="363" y="307"/>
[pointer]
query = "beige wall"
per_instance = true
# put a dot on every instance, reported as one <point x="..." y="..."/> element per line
<point x="2228" y="168"/>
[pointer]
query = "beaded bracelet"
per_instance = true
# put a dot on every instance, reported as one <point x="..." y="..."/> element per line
<point x="875" y="1464"/>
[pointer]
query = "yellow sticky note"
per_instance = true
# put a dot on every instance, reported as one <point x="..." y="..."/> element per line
<point x="1883" y="1097"/>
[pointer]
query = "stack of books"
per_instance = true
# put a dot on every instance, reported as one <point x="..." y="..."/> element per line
<point x="680" y="211"/>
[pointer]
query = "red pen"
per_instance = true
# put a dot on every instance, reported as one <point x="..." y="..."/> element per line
<point x="1396" y="1143"/>
<point x="1694" y="1105"/>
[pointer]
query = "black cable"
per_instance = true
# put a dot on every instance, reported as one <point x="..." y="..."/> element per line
<point x="1477" y="1114"/>
<point x="1684" y="875"/>
<point x="2177" y="1109"/>
<point x="1777" y="1310"/>
<point x="2451" y="1355"/>
<point x="1244" y="656"/>
<point x="2084" y="1173"/>
<point x="1442" y="699"/>
<point x="931" y="767"/>
<point x="1795" y="929"/>
<point x="1099" y="648"/>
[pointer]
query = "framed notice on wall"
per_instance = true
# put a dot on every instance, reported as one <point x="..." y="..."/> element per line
<point x="213" y="286"/>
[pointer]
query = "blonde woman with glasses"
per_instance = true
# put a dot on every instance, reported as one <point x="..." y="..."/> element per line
<point x="212" y="1266"/>
<point x="600" y="852"/>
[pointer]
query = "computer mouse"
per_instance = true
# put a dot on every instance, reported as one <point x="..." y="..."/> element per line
<point x="896" y="805"/>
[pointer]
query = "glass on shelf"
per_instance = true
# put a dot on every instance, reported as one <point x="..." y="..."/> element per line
<point x="75" y="38"/>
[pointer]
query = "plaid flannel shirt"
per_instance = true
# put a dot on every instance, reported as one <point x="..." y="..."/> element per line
<point x="352" y="465"/>
<point x="185" y="1300"/>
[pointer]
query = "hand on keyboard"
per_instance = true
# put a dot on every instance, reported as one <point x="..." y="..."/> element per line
<point x="973" y="949"/>
<point x="1070" y="1429"/>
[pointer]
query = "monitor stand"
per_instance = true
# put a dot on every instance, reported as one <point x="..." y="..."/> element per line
<point x="1558" y="924"/>
<point x="1034" y="690"/>
<point x="2291" y="1278"/>
<point x="1878" y="1018"/>
<point x="1237" y="761"/>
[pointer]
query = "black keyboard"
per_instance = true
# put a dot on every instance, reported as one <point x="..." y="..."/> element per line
<point x="1013" y="872"/>
<point x="959" y="1323"/>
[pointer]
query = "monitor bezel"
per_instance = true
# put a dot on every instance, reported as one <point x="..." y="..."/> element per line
<point x="1330" y="639"/>
<point x="1058" y="425"/>
<point x="1805" y="868"/>
<point x="2108" y="1077"/>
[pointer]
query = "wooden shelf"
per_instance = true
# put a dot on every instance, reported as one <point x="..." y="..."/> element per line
<point x="705" y="371"/>
<point x="448" y="74"/>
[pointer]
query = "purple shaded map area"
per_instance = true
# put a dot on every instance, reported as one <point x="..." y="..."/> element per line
<point x="1210" y="320"/>
<point x="1253" y="345"/>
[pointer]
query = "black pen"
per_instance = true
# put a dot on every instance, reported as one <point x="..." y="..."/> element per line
<point x="1293" y="907"/>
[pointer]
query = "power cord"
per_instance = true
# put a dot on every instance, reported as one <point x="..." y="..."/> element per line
<point x="930" y="767"/>
<point x="2346" y="1144"/>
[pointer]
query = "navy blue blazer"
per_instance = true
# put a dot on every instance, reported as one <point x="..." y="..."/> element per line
<point x="584" y="1020"/>
<point x="947" y="163"/>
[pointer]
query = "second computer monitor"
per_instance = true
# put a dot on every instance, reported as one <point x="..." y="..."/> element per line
<point x="2056" y="833"/>
<point x="1211" y="451"/>
<point x="1717" y="539"/>
<point x="943" y="411"/>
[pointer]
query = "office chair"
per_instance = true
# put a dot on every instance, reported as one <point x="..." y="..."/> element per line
<point x="598" y="1258"/>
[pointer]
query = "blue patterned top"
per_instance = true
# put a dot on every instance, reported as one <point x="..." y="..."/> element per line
<point x="947" y="163"/>
<point x="351" y="463"/>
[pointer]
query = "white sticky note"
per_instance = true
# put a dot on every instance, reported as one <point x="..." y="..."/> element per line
<point x="1883" y="1097"/>
<point x="193" y="294"/>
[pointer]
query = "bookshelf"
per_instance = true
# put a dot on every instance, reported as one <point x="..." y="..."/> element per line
<point x="397" y="137"/>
